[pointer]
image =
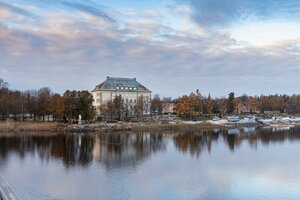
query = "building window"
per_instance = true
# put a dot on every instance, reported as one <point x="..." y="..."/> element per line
<point x="122" y="88"/>
<point x="126" y="88"/>
<point x="117" y="88"/>
<point x="134" y="88"/>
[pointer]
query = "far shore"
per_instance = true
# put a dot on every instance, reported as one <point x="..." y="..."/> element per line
<point x="101" y="127"/>
<point x="48" y="128"/>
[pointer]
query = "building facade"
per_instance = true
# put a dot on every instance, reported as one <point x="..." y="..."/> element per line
<point x="130" y="90"/>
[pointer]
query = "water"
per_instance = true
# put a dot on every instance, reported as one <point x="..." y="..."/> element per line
<point x="217" y="164"/>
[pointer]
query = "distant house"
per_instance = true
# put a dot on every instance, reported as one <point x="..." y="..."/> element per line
<point x="168" y="108"/>
<point x="272" y="113"/>
<point x="130" y="90"/>
<point x="243" y="108"/>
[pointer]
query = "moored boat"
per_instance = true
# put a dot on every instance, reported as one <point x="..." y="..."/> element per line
<point x="233" y="118"/>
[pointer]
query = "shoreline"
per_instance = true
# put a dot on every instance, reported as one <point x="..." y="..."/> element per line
<point x="54" y="127"/>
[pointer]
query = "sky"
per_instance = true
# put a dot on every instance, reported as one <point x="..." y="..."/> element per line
<point x="173" y="47"/>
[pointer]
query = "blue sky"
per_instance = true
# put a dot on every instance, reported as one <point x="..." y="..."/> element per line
<point x="171" y="46"/>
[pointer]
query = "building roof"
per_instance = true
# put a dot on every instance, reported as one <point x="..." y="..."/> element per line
<point x="126" y="84"/>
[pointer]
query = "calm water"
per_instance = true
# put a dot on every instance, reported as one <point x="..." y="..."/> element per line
<point x="234" y="164"/>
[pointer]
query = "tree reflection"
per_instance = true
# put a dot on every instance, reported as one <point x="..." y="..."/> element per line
<point x="195" y="142"/>
<point x="116" y="150"/>
<point x="113" y="150"/>
<point x="70" y="149"/>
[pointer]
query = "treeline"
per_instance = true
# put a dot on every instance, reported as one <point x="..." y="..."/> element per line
<point x="45" y="105"/>
<point x="195" y="105"/>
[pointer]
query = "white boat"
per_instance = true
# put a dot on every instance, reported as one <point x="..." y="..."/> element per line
<point x="267" y="122"/>
<point x="233" y="118"/>
<point x="215" y="118"/>
<point x="288" y="120"/>
<point x="249" y="119"/>
<point x="285" y="120"/>
<point x="295" y="120"/>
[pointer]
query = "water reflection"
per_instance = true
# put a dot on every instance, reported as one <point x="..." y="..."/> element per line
<point x="117" y="150"/>
<point x="127" y="149"/>
<point x="112" y="150"/>
<point x="195" y="142"/>
<point x="146" y="166"/>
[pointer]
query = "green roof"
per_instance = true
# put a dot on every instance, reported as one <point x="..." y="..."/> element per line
<point x="116" y="83"/>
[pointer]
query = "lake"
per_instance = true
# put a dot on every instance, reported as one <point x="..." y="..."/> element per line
<point x="244" y="163"/>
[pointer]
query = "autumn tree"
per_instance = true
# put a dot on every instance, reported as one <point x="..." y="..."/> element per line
<point x="57" y="107"/>
<point x="110" y="108"/>
<point x="4" y="99"/>
<point x="43" y="102"/>
<point x="118" y="106"/>
<point x="31" y="103"/>
<point x="185" y="107"/>
<point x="198" y="102"/>
<point x="209" y="105"/>
<point x="156" y="105"/>
<point x="16" y="103"/>
<point x="70" y="105"/>
<point x="139" y="106"/>
<point x="78" y="103"/>
<point x="253" y="104"/>
<point x="230" y="103"/>
<point x="85" y="105"/>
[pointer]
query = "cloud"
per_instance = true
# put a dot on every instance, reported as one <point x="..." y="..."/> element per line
<point x="91" y="9"/>
<point x="5" y="14"/>
<point x="17" y="10"/>
<point x="225" y="12"/>
<point x="59" y="46"/>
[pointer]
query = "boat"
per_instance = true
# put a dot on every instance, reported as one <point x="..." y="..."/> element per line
<point x="233" y="118"/>
<point x="295" y="120"/>
<point x="267" y="122"/>
<point x="215" y="118"/>
<point x="249" y="119"/>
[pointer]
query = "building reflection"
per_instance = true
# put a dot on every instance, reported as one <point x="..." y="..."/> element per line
<point x="127" y="149"/>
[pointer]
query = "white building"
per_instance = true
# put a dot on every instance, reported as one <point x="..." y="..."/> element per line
<point x="128" y="88"/>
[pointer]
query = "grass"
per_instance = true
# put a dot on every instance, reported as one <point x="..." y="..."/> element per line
<point x="29" y="126"/>
<point x="175" y="127"/>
